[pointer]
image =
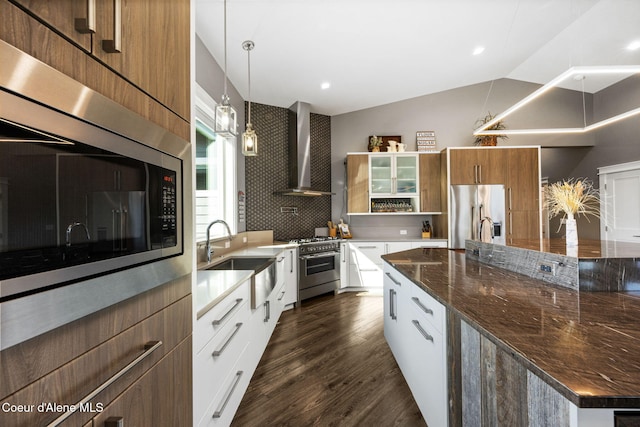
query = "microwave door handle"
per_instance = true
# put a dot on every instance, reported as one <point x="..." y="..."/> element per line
<point x="123" y="229"/>
<point x="114" y="228"/>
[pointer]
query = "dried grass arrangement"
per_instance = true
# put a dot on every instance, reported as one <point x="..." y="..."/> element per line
<point x="572" y="198"/>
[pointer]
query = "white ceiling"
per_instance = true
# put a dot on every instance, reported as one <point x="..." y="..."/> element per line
<point x="374" y="52"/>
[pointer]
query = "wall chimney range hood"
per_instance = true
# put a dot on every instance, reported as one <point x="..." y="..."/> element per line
<point x="300" y="153"/>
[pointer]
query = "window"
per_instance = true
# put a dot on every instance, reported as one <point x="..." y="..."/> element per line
<point x="215" y="169"/>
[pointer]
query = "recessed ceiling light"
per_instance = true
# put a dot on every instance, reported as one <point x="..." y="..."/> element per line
<point x="478" y="50"/>
<point x="635" y="45"/>
<point x="325" y="85"/>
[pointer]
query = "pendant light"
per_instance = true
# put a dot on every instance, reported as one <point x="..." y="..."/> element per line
<point x="225" y="114"/>
<point x="249" y="137"/>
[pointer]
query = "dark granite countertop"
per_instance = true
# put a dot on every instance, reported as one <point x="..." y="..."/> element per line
<point x="586" y="345"/>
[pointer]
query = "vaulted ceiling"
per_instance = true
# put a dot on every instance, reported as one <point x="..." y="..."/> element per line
<point x="374" y="52"/>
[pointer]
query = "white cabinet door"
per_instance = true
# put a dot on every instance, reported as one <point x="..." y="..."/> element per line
<point x="367" y="262"/>
<point x="391" y="247"/>
<point x="394" y="295"/>
<point x="344" y="265"/>
<point x="291" y="277"/>
<point x="429" y="244"/>
<point x="620" y="205"/>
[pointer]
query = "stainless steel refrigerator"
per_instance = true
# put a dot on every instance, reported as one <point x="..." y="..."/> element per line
<point x="477" y="213"/>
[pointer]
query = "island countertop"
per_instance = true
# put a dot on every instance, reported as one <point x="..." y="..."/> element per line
<point x="584" y="344"/>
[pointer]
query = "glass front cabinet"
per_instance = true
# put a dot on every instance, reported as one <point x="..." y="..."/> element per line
<point x="393" y="182"/>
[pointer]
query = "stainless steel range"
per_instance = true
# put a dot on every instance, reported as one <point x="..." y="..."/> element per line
<point x="319" y="266"/>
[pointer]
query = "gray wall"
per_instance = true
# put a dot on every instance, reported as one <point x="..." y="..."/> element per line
<point x="210" y="76"/>
<point x="452" y="115"/>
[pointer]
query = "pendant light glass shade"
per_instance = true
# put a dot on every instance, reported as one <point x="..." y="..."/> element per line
<point x="226" y="121"/>
<point x="249" y="137"/>
<point x="249" y="142"/>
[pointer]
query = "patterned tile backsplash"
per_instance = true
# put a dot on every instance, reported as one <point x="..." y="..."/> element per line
<point x="268" y="173"/>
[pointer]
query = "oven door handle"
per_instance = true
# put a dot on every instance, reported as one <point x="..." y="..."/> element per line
<point x="322" y="255"/>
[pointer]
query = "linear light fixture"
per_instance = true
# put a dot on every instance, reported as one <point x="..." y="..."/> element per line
<point x="570" y="73"/>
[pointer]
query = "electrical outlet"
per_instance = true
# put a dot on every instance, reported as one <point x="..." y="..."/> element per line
<point x="403" y="232"/>
<point x="548" y="268"/>
<point x="476" y="252"/>
<point x="227" y="245"/>
<point x="244" y="239"/>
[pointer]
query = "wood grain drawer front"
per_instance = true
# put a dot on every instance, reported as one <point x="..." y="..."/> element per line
<point x="426" y="308"/>
<point x="161" y="397"/>
<point x="215" y="319"/>
<point x="77" y="379"/>
<point x="217" y="358"/>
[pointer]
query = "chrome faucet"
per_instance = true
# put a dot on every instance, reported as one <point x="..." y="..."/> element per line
<point x="208" y="247"/>
<point x="71" y="227"/>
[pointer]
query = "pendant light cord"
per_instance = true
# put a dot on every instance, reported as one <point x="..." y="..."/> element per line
<point x="249" y="75"/>
<point x="225" y="96"/>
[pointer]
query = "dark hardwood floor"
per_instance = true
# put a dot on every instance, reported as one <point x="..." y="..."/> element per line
<point x="328" y="364"/>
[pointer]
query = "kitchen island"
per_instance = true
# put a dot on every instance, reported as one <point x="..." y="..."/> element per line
<point x="520" y="348"/>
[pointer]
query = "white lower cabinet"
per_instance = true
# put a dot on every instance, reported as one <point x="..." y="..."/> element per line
<point x="362" y="261"/>
<point x="229" y="341"/>
<point x="291" y="277"/>
<point x="221" y="337"/>
<point x="415" y="329"/>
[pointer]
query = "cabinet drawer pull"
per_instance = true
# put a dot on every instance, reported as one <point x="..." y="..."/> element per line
<point x="393" y="280"/>
<point x="422" y="331"/>
<point x="114" y="422"/>
<point x="87" y="24"/>
<point x="114" y="46"/>
<point x="369" y="269"/>
<point x="281" y="259"/>
<point x="392" y="312"/>
<point x="149" y="348"/>
<point x="218" y="413"/>
<point x="220" y="320"/>
<point x="422" y="306"/>
<point x="281" y="296"/>
<point x="367" y="247"/>
<point x="217" y="353"/>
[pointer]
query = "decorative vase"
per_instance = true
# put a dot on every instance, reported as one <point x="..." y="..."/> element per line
<point x="571" y="234"/>
<point x="489" y="141"/>
<point x="375" y="149"/>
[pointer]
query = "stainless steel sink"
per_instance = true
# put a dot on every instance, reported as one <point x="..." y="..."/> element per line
<point x="263" y="279"/>
<point x="243" y="263"/>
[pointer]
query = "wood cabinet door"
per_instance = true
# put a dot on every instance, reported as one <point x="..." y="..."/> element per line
<point x="463" y="166"/>
<point x="523" y="186"/>
<point x="493" y="164"/>
<point x="358" y="183"/>
<point x="61" y="15"/>
<point x="478" y="166"/>
<point x="154" y="48"/>
<point x="430" y="182"/>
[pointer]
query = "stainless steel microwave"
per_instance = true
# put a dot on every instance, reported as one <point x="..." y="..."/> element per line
<point x="78" y="201"/>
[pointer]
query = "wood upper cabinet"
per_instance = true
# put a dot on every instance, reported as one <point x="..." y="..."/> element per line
<point x="478" y="166"/>
<point x="523" y="185"/>
<point x="63" y="15"/>
<point x="154" y="43"/>
<point x="523" y="195"/>
<point x="358" y="183"/>
<point x="430" y="182"/>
